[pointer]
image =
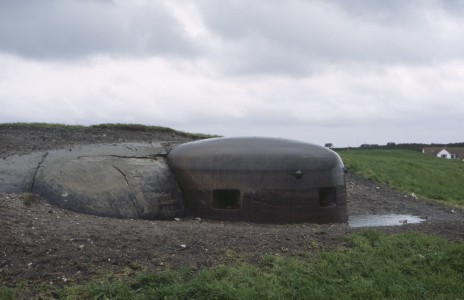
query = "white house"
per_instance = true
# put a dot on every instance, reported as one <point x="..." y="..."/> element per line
<point x="445" y="152"/>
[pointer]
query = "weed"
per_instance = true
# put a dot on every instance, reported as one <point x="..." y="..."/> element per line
<point x="315" y="245"/>
<point x="28" y="199"/>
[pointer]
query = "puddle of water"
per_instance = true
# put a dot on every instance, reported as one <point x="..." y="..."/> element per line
<point x="382" y="220"/>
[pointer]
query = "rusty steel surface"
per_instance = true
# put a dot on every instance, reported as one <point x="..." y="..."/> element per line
<point x="265" y="180"/>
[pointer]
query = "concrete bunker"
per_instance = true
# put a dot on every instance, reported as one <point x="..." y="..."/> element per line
<point x="246" y="179"/>
<point x="266" y="180"/>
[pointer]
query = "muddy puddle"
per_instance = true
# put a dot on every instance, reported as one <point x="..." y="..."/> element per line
<point x="382" y="220"/>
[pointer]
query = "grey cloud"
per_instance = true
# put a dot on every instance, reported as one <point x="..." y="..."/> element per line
<point x="453" y="6"/>
<point x="287" y="36"/>
<point x="397" y="10"/>
<point x="380" y="11"/>
<point x="256" y="55"/>
<point x="62" y="29"/>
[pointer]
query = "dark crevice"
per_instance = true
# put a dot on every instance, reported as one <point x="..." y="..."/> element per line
<point x="123" y="175"/>
<point x="37" y="170"/>
<point x="154" y="156"/>
<point x="128" y="185"/>
<point x="161" y="154"/>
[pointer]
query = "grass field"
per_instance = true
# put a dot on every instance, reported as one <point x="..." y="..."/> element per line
<point x="375" y="266"/>
<point x="428" y="176"/>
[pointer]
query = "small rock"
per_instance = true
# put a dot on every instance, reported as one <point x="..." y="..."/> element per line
<point x="183" y="246"/>
<point x="403" y="221"/>
<point x="198" y="219"/>
<point x="453" y="211"/>
<point x="413" y="195"/>
<point x="177" y="219"/>
<point x="81" y="246"/>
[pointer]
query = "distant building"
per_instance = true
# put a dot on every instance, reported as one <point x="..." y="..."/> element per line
<point x="445" y="152"/>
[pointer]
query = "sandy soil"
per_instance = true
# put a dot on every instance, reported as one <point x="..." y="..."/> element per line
<point x="43" y="243"/>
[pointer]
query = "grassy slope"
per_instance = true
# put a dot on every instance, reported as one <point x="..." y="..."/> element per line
<point x="133" y="127"/>
<point x="410" y="171"/>
<point x="376" y="266"/>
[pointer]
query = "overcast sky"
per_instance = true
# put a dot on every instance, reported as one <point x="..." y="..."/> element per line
<point x="345" y="72"/>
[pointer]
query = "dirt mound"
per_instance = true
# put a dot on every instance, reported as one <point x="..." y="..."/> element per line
<point x="44" y="243"/>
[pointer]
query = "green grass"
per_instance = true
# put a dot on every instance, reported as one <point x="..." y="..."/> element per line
<point x="428" y="176"/>
<point x="375" y="266"/>
<point x="41" y="125"/>
<point x="115" y="126"/>
<point x="140" y="127"/>
<point x="7" y="293"/>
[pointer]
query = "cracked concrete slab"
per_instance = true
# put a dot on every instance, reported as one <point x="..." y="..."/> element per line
<point x="17" y="172"/>
<point x="118" y="180"/>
